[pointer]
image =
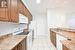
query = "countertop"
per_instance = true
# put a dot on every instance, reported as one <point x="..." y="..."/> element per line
<point x="69" y="44"/>
<point x="11" y="41"/>
<point x="67" y="34"/>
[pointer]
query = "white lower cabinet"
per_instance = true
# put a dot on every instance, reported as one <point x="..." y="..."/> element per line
<point x="59" y="38"/>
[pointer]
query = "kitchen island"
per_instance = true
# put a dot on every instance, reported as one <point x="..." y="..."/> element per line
<point x="57" y="35"/>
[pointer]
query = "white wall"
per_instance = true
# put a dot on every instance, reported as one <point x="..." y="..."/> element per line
<point x="55" y="18"/>
<point x="61" y="18"/>
<point x="70" y="19"/>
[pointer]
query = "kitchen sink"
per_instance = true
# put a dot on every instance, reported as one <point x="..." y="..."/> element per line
<point x="23" y="33"/>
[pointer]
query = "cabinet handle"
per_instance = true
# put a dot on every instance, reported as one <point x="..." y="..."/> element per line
<point x="69" y="39"/>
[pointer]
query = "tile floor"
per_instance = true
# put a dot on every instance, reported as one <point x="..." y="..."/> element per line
<point x="42" y="43"/>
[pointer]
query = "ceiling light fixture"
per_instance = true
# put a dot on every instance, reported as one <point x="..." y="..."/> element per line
<point x="38" y="1"/>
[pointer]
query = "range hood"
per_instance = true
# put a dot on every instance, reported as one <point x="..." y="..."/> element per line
<point x="23" y="19"/>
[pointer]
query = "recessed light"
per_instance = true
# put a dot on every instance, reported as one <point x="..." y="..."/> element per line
<point x="38" y="1"/>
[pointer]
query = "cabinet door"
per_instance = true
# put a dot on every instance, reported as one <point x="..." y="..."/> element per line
<point x="14" y="11"/>
<point x="22" y="45"/>
<point x="19" y="47"/>
<point x="4" y="14"/>
<point x="65" y="48"/>
<point x="53" y="37"/>
<point x="59" y="38"/>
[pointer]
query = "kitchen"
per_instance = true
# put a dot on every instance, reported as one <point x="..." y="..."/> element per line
<point x="29" y="25"/>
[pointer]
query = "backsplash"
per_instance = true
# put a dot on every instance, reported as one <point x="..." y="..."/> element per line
<point x="7" y="27"/>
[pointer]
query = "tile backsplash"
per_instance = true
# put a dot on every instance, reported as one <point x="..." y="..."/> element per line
<point x="7" y="27"/>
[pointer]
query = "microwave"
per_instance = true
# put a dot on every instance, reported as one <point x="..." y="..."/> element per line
<point x="23" y="19"/>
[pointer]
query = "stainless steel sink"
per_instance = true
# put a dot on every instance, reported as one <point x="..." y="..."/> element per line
<point x="24" y="33"/>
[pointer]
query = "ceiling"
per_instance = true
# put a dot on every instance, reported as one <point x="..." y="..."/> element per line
<point x="41" y="8"/>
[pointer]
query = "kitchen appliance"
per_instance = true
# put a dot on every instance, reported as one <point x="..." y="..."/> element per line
<point x="23" y="19"/>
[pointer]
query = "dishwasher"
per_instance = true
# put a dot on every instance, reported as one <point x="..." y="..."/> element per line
<point x="30" y="37"/>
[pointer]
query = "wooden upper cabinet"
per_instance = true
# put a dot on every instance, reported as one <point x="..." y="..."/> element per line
<point x="23" y="10"/>
<point x="4" y="10"/>
<point x="14" y="11"/>
<point x="10" y="9"/>
<point x="4" y="14"/>
<point x="14" y="14"/>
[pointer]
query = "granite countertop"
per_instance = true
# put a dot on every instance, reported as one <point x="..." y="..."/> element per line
<point x="69" y="44"/>
<point x="66" y="34"/>
<point x="11" y="41"/>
